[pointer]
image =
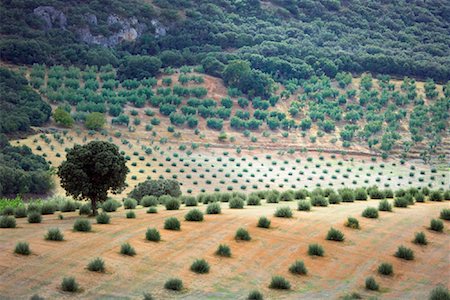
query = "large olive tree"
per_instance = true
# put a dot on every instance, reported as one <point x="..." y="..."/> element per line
<point x="92" y="170"/>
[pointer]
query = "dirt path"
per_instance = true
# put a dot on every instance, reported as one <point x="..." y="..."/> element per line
<point x="343" y="269"/>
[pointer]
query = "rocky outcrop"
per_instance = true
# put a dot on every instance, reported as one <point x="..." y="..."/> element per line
<point x="52" y="17"/>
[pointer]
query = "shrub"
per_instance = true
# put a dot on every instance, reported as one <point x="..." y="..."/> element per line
<point x="315" y="250"/>
<point x="34" y="217"/>
<point x="148" y="296"/>
<point x="174" y="284"/>
<point x="375" y="193"/>
<point x="22" y="248"/>
<point x="200" y="266"/>
<point x="213" y="208"/>
<point x="304" y="205"/>
<point x="48" y="208"/>
<point x="436" y="196"/>
<point x="242" y="235"/>
<point x="172" y="204"/>
<point x="263" y="222"/>
<point x="96" y="265"/>
<point x="371" y="284"/>
<point x="298" y="267"/>
<point x="110" y="205"/>
<point x="129" y="203"/>
<point x="360" y="194"/>
<point x="153" y="235"/>
<point x="347" y="195"/>
<point x="103" y="218"/>
<point x="334" y="198"/>
<point x="318" y="200"/>
<point x="352" y="223"/>
<point x="20" y="212"/>
<point x="194" y="215"/>
<point x="384" y="205"/>
<point x="253" y="200"/>
<point x="190" y="201"/>
<point x="67" y="206"/>
<point x="385" y="269"/>
<point x="445" y="214"/>
<point x="236" y="202"/>
<point x="8" y="211"/>
<point x="69" y="284"/>
<point x="420" y="239"/>
<point x="401" y="202"/>
<point x="127" y="249"/>
<point x="82" y="225"/>
<point x="85" y="209"/>
<point x="420" y="197"/>
<point x="152" y="210"/>
<point x="272" y="197"/>
<point x="404" y="253"/>
<point x="439" y="293"/>
<point x="172" y="223"/>
<point x="255" y="295"/>
<point x="148" y="201"/>
<point x="54" y="234"/>
<point x="223" y="250"/>
<point x="279" y="283"/>
<point x="436" y="225"/>
<point x="283" y="212"/>
<point x="7" y="222"/>
<point x="335" y="235"/>
<point x="286" y="196"/>
<point x="130" y="214"/>
<point x="370" y="212"/>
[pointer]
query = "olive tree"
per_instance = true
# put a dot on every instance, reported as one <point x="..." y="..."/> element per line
<point x="92" y="170"/>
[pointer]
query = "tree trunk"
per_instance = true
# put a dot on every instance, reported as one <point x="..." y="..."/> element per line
<point x="94" y="207"/>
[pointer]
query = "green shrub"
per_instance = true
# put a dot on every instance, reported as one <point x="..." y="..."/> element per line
<point x="194" y="215"/>
<point x="54" y="234"/>
<point x="279" y="283"/>
<point x="148" y="296"/>
<point x="152" y="210"/>
<point x="436" y="196"/>
<point x="384" y="205"/>
<point x="22" y="248"/>
<point x="69" y="284"/>
<point x="255" y="295"/>
<point x="419" y="197"/>
<point x="85" y="209"/>
<point x="213" y="208"/>
<point x="401" y="202"/>
<point x="103" y="218"/>
<point x="370" y="212"/>
<point x="236" y="202"/>
<point x="148" y="201"/>
<point x="253" y="200"/>
<point x="436" y="225"/>
<point x="110" y="205"/>
<point x="48" y="208"/>
<point x="190" y="201"/>
<point x="129" y="203"/>
<point x="335" y="235"/>
<point x="352" y="223"/>
<point x="420" y="239"/>
<point x="286" y="196"/>
<point x="200" y="266"/>
<point x="283" y="212"/>
<point x="7" y="222"/>
<point x="34" y="217"/>
<point x="96" y="265"/>
<point x="130" y="214"/>
<point x="174" y="284"/>
<point x="272" y="197"/>
<point x="153" y="235"/>
<point x="66" y="206"/>
<point x="440" y="293"/>
<point x="385" y="269"/>
<point x="318" y="200"/>
<point x="334" y="198"/>
<point x="360" y="194"/>
<point x="8" y="211"/>
<point x="347" y="195"/>
<point x="127" y="249"/>
<point x="445" y="214"/>
<point x="172" y="204"/>
<point x="298" y="267"/>
<point x="315" y="250"/>
<point x="82" y="225"/>
<point x="404" y="253"/>
<point x="375" y="193"/>
<point x="223" y="250"/>
<point x="20" y="212"/>
<point x="242" y="235"/>
<point x="263" y="222"/>
<point x="446" y="195"/>
<point x="371" y="284"/>
<point x="304" y="205"/>
<point x="172" y="223"/>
